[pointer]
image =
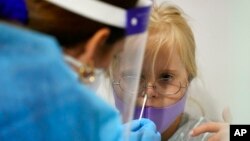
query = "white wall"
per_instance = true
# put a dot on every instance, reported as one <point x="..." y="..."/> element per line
<point x="222" y="51"/>
<point x="240" y="43"/>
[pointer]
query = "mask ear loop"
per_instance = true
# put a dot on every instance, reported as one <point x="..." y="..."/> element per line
<point x="86" y="71"/>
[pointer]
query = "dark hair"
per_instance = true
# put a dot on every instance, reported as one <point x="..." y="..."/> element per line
<point x="116" y="33"/>
<point x="67" y="39"/>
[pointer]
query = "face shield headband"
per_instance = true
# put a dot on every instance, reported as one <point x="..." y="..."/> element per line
<point x="133" y="20"/>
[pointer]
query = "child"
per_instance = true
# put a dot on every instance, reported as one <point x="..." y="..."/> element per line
<point x="169" y="67"/>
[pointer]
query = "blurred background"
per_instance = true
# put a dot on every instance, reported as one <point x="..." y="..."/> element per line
<point x="222" y="32"/>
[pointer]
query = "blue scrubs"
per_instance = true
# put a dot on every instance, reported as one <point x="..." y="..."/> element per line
<point x="40" y="100"/>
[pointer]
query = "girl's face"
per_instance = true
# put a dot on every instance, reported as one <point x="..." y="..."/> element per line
<point x="164" y="79"/>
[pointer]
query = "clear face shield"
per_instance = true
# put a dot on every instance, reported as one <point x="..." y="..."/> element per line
<point x="129" y="59"/>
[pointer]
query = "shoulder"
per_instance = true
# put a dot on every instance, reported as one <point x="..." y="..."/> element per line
<point x="38" y="92"/>
<point x="186" y="126"/>
<point x="16" y="38"/>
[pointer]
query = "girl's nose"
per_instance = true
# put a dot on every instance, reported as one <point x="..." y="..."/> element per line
<point x="150" y="90"/>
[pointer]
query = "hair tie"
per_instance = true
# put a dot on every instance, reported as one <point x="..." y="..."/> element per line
<point x="14" y="10"/>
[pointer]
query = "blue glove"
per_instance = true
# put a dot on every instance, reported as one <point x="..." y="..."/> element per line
<point x="143" y="130"/>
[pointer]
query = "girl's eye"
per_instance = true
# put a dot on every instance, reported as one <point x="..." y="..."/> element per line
<point x="166" y="77"/>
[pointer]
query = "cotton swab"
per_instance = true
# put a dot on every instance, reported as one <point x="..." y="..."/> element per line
<point x="143" y="105"/>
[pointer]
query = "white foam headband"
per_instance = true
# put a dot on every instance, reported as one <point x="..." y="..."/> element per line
<point x="98" y="10"/>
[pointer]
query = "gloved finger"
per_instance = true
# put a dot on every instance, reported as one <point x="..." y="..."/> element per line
<point x="146" y="131"/>
<point x="134" y="125"/>
<point x="150" y="135"/>
<point x="147" y="124"/>
<point x="137" y="124"/>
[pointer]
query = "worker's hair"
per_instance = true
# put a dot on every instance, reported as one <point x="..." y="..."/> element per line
<point x="70" y="28"/>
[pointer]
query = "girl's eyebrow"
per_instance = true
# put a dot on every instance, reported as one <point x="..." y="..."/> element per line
<point x="169" y="71"/>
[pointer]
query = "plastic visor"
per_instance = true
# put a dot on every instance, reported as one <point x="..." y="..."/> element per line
<point x="129" y="60"/>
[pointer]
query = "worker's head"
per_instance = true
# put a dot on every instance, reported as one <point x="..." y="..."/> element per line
<point x="90" y="31"/>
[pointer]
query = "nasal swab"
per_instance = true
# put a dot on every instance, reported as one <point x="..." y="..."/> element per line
<point x="143" y="105"/>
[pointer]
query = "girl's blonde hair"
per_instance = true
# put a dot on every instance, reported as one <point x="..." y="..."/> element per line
<point x="169" y="31"/>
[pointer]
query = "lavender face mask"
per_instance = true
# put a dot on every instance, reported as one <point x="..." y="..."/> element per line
<point x="162" y="117"/>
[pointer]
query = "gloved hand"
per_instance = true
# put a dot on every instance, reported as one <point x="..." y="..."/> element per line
<point x="143" y="130"/>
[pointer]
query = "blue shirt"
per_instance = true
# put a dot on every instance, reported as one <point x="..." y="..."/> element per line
<point x="40" y="100"/>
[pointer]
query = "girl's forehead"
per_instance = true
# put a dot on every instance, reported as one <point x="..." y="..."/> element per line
<point x="162" y="61"/>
